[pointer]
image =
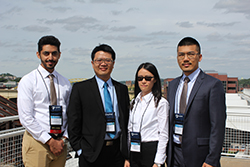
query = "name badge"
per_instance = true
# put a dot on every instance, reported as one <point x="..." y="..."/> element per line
<point x="178" y="127"/>
<point x="110" y="119"/>
<point x="135" y="138"/>
<point x="56" y="120"/>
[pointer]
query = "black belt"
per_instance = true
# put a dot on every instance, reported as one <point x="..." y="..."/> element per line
<point x="177" y="145"/>
<point x="56" y="136"/>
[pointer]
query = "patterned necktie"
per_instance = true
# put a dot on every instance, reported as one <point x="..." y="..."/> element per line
<point x="183" y="99"/>
<point x="53" y="99"/>
<point x="108" y="104"/>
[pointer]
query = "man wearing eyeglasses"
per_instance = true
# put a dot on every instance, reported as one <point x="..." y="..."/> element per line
<point x="98" y="115"/>
<point x="197" y="112"/>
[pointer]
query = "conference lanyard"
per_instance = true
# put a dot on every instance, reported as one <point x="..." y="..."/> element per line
<point x="133" y="118"/>
<point x="47" y="86"/>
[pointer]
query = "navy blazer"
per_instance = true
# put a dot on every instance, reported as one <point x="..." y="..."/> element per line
<point x="86" y="118"/>
<point x="204" y="122"/>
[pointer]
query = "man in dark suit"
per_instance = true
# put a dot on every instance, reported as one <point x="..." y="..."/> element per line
<point x="98" y="115"/>
<point x="197" y="129"/>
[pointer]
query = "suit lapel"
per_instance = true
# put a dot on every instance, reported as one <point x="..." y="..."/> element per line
<point x="96" y="93"/>
<point x="195" y="89"/>
<point x="118" y="95"/>
<point x="117" y="90"/>
<point x="173" y="94"/>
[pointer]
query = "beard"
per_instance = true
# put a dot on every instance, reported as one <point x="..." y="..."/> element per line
<point x="48" y="66"/>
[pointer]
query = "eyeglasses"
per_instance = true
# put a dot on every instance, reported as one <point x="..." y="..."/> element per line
<point x="147" y="78"/>
<point x="106" y="61"/>
<point x="190" y="55"/>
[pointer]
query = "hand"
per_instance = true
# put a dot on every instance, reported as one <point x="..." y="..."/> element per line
<point x="154" y="165"/>
<point x="206" y="165"/>
<point x="55" y="146"/>
<point x="126" y="163"/>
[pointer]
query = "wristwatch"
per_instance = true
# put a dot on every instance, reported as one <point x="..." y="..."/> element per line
<point x="64" y="140"/>
<point x="158" y="165"/>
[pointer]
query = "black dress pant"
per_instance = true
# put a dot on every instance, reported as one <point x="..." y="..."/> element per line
<point x="146" y="157"/>
<point x="178" y="156"/>
<point x="110" y="156"/>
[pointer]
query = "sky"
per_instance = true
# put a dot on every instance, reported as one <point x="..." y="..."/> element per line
<point x="138" y="30"/>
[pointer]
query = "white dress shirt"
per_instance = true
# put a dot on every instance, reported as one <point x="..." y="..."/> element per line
<point x="34" y="100"/>
<point x="151" y="122"/>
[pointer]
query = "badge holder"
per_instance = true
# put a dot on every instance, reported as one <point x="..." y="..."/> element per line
<point x="110" y="122"/>
<point x="135" y="138"/>
<point x="178" y="127"/>
<point x="55" y="120"/>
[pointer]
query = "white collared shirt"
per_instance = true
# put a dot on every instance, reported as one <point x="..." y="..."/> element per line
<point x="34" y="100"/>
<point x="153" y="124"/>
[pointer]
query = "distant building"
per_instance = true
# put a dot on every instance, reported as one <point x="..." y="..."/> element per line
<point x="10" y="84"/>
<point x="230" y="84"/>
<point x="128" y="83"/>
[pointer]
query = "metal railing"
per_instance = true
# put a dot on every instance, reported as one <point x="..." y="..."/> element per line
<point x="11" y="147"/>
<point x="237" y="134"/>
<point x="236" y="142"/>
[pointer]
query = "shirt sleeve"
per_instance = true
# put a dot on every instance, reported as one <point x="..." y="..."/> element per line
<point x="162" y="114"/>
<point x="67" y="103"/>
<point x="25" y="104"/>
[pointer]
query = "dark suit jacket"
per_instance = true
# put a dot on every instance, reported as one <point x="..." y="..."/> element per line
<point x="204" y="122"/>
<point x="86" y="118"/>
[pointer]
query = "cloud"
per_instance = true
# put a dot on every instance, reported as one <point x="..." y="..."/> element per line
<point x="185" y="24"/>
<point x="9" y="44"/>
<point x="234" y="6"/>
<point x="60" y="9"/>
<point x="79" y="51"/>
<point x="161" y="33"/>
<point x="81" y="1"/>
<point x="242" y="43"/>
<point x="122" y="29"/>
<point x="132" y="10"/>
<point x="10" y="27"/>
<point x="158" y="43"/>
<point x="19" y="50"/>
<point x="116" y="12"/>
<point x="214" y="37"/>
<point x="74" y="23"/>
<point x="36" y="28"/>
<point x="222" y="24"/>
<point x="104" y="1"/>
<point x="47" y="1"/>
<point x="126" y="38"/>
<point x="11" y="12"/>
<point x="237" y="36"/>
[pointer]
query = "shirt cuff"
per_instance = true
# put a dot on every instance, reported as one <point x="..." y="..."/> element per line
<point x="79" y="152"/>
<point x="44" y="137"/>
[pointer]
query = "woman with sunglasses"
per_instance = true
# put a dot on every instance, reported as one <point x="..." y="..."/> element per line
<point x="148" y="121"/>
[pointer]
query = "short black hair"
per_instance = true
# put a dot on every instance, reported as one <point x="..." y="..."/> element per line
<point x="48" y="40"/>
<point x="156" y="90"/>
<point x="186" y="41"/>
<point x="104" y="48"/>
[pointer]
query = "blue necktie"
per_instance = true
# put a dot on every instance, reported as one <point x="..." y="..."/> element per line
<point x="108" y="104"/>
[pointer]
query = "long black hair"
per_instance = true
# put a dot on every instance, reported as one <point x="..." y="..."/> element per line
<point x="156" y="90"/>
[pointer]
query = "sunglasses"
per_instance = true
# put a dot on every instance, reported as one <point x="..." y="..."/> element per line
<point x="147" y="78"/>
